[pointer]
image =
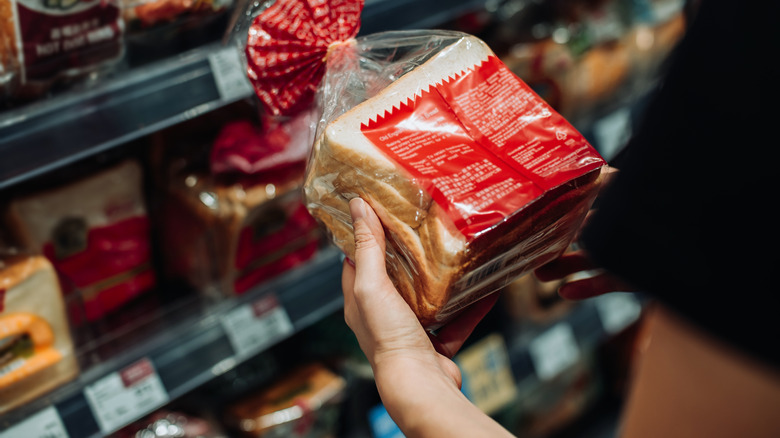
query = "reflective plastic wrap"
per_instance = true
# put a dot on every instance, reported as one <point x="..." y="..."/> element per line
<point x="475" y="178"/>
<point x="237" y="220"/>
<point x="46" y="42"/>
<point x="96" y="232"/>
<point x="303" y="403"/>
<point x="36" y="349"/>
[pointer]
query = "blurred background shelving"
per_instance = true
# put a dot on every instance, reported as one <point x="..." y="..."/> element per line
<point x="164" y="104"/>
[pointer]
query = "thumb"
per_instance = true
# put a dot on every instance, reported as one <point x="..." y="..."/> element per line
<point x="369" y="242"/>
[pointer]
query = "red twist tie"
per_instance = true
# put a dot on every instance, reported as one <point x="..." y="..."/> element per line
<point x="288" y="44"/>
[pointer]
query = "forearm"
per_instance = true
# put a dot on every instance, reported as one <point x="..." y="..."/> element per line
<point x="425" y="403"/>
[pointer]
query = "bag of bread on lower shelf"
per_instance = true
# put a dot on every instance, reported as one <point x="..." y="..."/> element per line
<point x="36" y="349"/>
<point x="232" y="215"/>
<point x="303" y="403"/>
<point x="475" y="178"/>
<point x="95" y="231"/>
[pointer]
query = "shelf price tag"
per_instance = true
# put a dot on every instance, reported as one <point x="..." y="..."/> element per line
<point x="256" y="326"/>
<point x="45" y="424"/>
<point x="487" y="374"/>
<point x="229" y="74"/>
<point x="554" y="351"/>
<point x="617" y="311"/>
<point x="126" y="395"/>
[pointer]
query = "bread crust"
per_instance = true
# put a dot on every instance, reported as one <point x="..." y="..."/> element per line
<point x="433" y="266"/>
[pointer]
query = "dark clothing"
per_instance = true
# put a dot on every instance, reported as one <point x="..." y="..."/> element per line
<point x="690" y="216"/>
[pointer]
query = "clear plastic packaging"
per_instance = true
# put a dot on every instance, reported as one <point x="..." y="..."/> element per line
<point x="96" y="233"/>
<point x="238" y="220"/>
<point x="43" y="43"/>
<point x="304" y="403"/>
<point x="36" y="348"/>
<point x="475" y="178"/>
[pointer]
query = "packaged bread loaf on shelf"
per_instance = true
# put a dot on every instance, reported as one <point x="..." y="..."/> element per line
<point x="300" y="404"/>
<point x="53" y="41"/>
<point x="36" y="350"/>
<point x="95" y="231"/>
<point x="475" y="178"/>
<point x="241" y="221"/>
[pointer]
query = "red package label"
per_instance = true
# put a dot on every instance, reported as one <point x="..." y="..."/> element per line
<point x="282" y="238"/>
<point x="110" y="265"/>
<point x="59" y="35"/>
<point x="483" y="144"/>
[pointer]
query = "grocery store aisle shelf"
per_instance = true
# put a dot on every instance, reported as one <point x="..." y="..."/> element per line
<point x="199" y="348"/>
<point x="55" y="132"/>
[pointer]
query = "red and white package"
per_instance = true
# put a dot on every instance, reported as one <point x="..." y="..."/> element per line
<point x="475" y="178"/>
<point x="95" y="232"/>
<point x="50" y="39"/>
<point x="241" y="223"/>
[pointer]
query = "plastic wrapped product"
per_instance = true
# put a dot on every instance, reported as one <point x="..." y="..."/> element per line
<point x="57" y="39"/>
<point x="475" y="178"/>
<point x="36" y="351"/>
<point x="241" y="221"/>
<point x="96" y="233"/>
<point x="226" y="238"/>
<point x="302" y="404"/>
<point x="170" y="424"/>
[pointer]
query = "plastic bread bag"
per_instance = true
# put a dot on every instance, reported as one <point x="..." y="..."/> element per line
<point x="36" y="347"/>
<point x="56" y="41"/>
<point x="476" y="180"/>
<point x="302" y="403"/>
<point x="95" y="230"/>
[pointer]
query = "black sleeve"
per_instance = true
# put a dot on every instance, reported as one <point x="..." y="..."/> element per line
<point x="690" y="218"/>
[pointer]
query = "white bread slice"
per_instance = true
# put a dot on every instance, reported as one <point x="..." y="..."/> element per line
<point x="347" y="164"/>
<point x="430" y="262"/>
<point x="101" y="199"/>
<point x="30" y="286"/>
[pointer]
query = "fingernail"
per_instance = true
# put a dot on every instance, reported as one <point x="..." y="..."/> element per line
<point x="357" y="208"/>
<point x="349" y="261"/>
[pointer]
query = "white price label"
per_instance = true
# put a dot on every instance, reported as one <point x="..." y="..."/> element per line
<point x="229" y="74"/>
<point x="554" y="351"/>
<point x="126" y="395"/>
<point x="487" y="374"/>
<point x="45" y="424"/>
<point x="617" y="311"/>
<point x="254" y="327"/>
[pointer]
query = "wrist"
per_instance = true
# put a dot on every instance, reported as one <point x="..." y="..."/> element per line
<point x="424" y="400"/>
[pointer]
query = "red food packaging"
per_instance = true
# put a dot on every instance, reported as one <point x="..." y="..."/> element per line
<point x="475" y="178"/>
<point x="242" y="222"/>
<point x="95" y="231"/>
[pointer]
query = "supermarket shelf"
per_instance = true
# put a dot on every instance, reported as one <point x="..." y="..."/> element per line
<point x="58" y="131"/>
<point x="590" y="323"/>
<point x="55" y="132"/>
<point x="196" y="350"/>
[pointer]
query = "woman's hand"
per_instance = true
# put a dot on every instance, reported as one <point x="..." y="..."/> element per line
<point x="419" y="386"/>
